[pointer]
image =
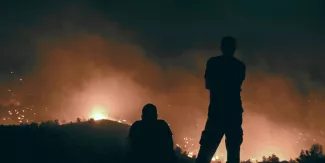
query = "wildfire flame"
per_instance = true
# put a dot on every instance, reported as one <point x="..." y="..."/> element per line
<point x="98" y="113"/>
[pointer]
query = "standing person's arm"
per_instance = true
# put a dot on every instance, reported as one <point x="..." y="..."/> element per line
<point x="207" y="74"/>
<point x="243" y="73"/>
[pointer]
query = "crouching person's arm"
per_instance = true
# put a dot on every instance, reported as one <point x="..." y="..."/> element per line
<point x="130" y="146"/>
<point x="173" y="154"/>
<point x="170" y="145"/>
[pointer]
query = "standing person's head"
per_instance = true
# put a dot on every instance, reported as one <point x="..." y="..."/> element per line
<point x="228" y="46"/>
<point x="149" y="113"/>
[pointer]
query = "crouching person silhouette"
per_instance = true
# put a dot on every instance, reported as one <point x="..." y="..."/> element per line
<point x="224" y="76"/>
<point x="150" y="139"/>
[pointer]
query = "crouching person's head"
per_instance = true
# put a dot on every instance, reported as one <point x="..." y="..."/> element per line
<point x="149" y="113"/>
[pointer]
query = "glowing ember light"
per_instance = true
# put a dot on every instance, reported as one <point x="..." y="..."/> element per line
<point x="215" y="158"/>
<point x="190" y="154"/>
<point x="98" y="113"/>
<point x="98" y="116"/>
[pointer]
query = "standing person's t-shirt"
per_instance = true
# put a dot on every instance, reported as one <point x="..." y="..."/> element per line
<point x="224" y="77"/>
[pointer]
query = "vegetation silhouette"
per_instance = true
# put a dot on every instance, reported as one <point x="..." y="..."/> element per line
<point x="92" y="142"/>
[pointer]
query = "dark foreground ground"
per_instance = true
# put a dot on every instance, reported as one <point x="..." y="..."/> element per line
<point x="86" y="142"/>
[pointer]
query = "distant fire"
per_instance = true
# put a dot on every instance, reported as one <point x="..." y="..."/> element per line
<point x="98" y="116"/>
<point x="98" y="113"/>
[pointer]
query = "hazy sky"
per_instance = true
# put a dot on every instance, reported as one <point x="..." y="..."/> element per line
<point x="283" y="32"/>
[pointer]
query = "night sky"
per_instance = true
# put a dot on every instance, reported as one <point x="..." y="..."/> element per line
<point x="272" y="30"/>
<point x="74" y="55"/>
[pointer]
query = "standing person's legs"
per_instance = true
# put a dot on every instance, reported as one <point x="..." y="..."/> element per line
<point x="210" y="140"/>
<point x="234" y="137"/>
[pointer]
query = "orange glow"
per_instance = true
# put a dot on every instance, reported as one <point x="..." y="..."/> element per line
<point x="215" y="158"/>
<point x="98" y="116"/>
<point x="98" y="113"/>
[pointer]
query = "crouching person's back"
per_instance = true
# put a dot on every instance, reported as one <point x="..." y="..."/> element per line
<point x="150" y="139"/>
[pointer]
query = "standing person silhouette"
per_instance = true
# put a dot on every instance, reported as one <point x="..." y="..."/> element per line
<point x="151" y="139"/>
<point x="224" y="76"/>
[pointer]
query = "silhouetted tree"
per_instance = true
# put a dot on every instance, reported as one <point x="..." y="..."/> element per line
<point x="64" y="121"/>
<point x="34" y="125"/>
<point x="285" y="161"/>
<point x="78" y="120"/>
<point x="314" y="154"/>
<point x="271" y="159"/>
<point x="248" y="161"/>
<point x="317" y="150"/>
<point x="292" y="161"/>
<point x="91" y="120"/>
<point x="57" y="122"/>
<point x="49" y="124"/>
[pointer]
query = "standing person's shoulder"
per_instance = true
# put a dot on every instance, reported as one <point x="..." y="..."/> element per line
<point x="240" y="63"/>
<point x="212" y="60"/>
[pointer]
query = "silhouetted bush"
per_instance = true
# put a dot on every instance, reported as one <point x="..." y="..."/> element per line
<point x="248" y="161"/>
<point x="271" y="159"/>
